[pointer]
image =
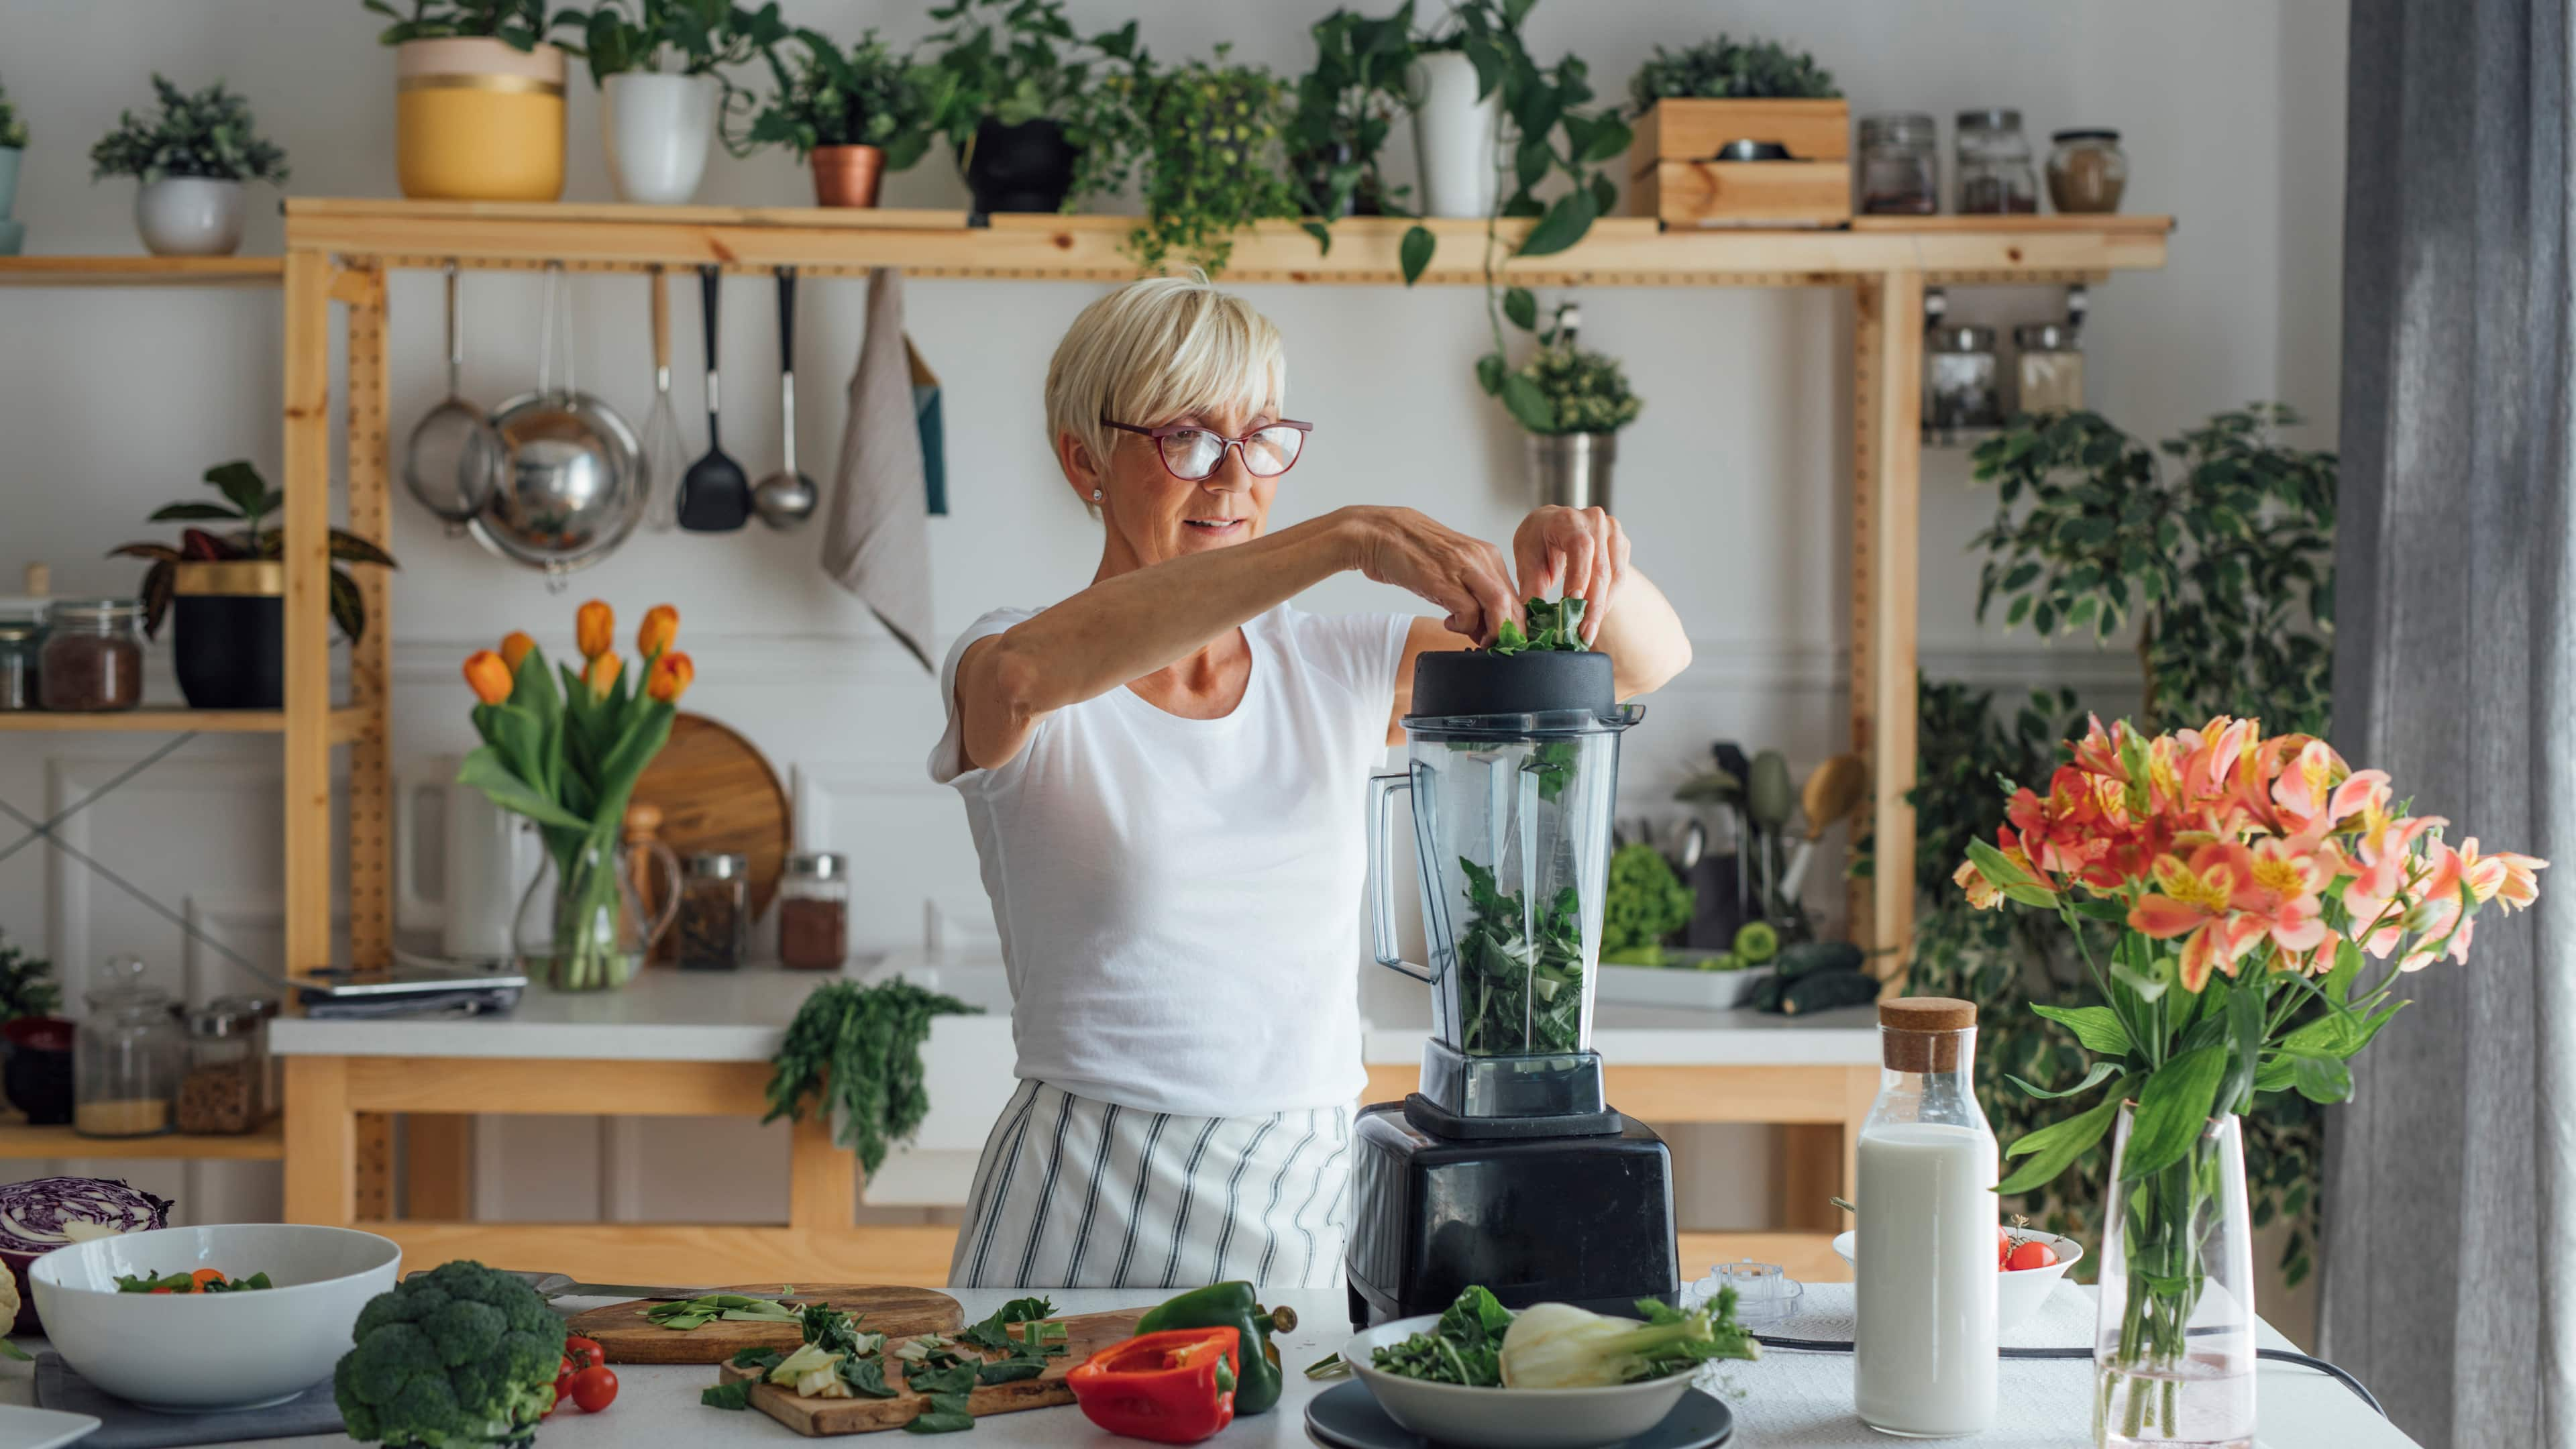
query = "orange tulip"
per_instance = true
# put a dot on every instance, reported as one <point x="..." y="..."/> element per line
<point x="601" y="674"/>
<point x="594" y="628"/>
<point x="489" y="675"/>
<point x="670" y="678"/>
<point x="514" y="647"/>
<point x="661" y="625"/>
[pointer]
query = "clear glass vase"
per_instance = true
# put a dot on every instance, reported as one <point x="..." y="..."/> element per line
<point x="2173" y="1354"/>
<point x="583" y="926"/>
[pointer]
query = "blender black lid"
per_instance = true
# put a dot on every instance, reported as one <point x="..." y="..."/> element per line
<point x="1452" y="683"/>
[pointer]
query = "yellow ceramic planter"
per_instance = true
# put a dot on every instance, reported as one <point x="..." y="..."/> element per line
<point x="475" y="120"/>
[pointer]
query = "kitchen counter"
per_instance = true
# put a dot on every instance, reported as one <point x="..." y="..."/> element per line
<point x="2299" y="1408"/>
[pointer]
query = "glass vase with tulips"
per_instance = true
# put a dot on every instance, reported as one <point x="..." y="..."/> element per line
<point x="2267" y="900"/>
<point x="564" y="749"/>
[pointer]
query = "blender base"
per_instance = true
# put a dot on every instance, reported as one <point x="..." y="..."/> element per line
<point x="1582" y="1219"/>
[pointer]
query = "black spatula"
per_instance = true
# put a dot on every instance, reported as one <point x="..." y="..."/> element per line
<point x="715" y="497"/>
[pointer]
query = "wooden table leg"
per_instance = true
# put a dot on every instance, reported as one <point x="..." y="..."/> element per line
<point x="822" y="1179"/>
<point x="321" y="1142"/>
<point x="438" y="1167"/>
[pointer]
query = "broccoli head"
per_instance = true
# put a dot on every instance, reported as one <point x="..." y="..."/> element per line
<point x="460" y="1357"/>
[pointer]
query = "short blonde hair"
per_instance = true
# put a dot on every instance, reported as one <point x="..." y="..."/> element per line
<point x="1157" y="349"/>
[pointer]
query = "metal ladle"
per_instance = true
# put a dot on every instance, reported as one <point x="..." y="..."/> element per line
<point x="785" y="499"/>
<point x="452" y="463"/>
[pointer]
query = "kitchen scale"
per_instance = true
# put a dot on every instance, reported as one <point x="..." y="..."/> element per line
<point x="1508" y="1168"/>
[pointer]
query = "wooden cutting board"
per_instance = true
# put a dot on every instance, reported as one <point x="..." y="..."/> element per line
<point x="1085" y="1335"/>
<point x="627" y="1336"/>
<point x="717" y="794"/>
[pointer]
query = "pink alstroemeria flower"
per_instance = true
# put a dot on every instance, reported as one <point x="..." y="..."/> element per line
<point x="2198" y="899"/>
<point x="2281" y="893"/>
<point x="2502" y="876"/>
<point x="2314" y="794"/>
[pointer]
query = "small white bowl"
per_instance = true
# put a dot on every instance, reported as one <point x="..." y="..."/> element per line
<point x="1509" y="1418"/>
<point x="2018" y="1294"/>
<point x="196" y="1352"/>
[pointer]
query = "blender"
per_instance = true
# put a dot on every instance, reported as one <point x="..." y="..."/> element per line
<point x="1508" y="1168"/>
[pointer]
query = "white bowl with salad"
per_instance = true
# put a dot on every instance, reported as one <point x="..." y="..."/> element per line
<point x="1551" y="1376"/>
<point x="228" y="1316"/>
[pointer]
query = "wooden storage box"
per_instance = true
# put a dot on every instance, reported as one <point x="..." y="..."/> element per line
<point x="1673" y="177"/>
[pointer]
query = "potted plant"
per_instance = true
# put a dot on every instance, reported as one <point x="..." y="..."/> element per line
<point x="658" y="65"/>
<point x="857" y="113"/>
<point x="13" y="146"/>
<point x="1573" y="402"/>
<point x="2256" y="901"/>
<point x="478" y="98"/>
<point x="1346" y="109"/>
<point x="1037" y="114"/>
<point x="1212" y="158"/>
<point x="192" y="160"/>
<point x="38" y="1044"/>
<point x="568" y="758"/>
<point x="1693" y="104"/>
<point x="227" y="589"/>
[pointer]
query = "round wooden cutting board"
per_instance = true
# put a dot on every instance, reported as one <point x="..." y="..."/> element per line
<point x="717" y="794"/>
<point x="627" y="1336"/>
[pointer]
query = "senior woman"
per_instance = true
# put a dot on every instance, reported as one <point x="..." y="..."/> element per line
<point x="1164" y="776"/>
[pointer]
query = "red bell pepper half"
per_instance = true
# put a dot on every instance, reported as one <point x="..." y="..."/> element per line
<point x="1173" y="1387"/>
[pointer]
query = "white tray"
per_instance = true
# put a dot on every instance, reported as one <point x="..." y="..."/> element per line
<point x="1681" y="985"/>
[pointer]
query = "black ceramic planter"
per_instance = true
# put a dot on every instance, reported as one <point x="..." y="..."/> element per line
<point x="1027" y="167"/>
<point x="38" y="1076"/>
<point x="229" y="639"/>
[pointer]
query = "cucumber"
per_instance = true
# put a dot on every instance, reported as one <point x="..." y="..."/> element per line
<point x="1813" y="956"/>
<point x="1825" y="990"/>
<point x="1766" y="993"/>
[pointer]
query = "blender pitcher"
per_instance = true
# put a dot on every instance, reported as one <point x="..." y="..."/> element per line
<point x="1513" y="771"/>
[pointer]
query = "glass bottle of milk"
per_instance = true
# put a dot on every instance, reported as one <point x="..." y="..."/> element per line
<point x="1925" y="1254"/>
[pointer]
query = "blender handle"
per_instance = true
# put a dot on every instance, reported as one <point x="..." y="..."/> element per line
<point x="1382" y="790"/>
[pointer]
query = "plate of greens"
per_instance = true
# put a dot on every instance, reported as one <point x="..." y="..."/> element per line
<point x="1551" y="1376"/>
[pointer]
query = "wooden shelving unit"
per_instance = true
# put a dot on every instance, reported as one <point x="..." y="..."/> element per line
<point x="141" y="271"/>
<point x="19" y="1141"/>
<point x="343" y="724"/>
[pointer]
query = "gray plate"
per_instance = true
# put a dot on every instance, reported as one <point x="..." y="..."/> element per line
<point x="1347" y="1417"/>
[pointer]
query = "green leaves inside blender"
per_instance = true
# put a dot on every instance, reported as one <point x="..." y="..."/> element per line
<point x="1521" y="973"/>
<point x="1551" y="628"/>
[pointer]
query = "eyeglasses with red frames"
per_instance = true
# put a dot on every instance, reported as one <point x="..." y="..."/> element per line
<point x="1192" y="453"/>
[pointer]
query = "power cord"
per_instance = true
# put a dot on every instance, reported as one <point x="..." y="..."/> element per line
<point x="2277" y="1355"/>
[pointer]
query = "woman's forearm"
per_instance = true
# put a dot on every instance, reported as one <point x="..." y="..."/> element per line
<point x="1643" y="637"/>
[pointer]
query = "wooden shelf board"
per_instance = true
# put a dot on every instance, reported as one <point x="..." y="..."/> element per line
<point x="1619" y="251"/>
<point x="141" y="271"/>
<point x="348" y="722"/>
<point x="2107" y="224"/>
<point x="19" y="1141"/>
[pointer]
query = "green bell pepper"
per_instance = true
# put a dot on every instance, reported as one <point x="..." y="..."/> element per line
<point x="1231" y="1305"/>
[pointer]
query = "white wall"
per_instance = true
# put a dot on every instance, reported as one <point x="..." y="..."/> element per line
<point x="1733" y="482"/>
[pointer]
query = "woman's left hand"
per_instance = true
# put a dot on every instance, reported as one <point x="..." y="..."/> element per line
<point x="1581" y="551"/>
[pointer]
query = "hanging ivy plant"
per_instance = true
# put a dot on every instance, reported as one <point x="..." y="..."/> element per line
<point x="1213" y="159"/>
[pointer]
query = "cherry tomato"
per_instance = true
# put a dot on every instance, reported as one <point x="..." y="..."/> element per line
<point x="563" y="1383"/>
<point x="595" y="1388"/>
<point x="2003" y="1247"/>
<point x="2031" y="1254"/>
<point x="584" y="1351"/>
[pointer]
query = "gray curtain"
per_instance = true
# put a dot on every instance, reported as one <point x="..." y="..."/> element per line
<point x="2450" y="1260"/>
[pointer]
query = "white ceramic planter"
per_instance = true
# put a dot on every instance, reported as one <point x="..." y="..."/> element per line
<point x="657" y="129"/>
<point x="1453" y="136"/>
<point x="189" y="216"/>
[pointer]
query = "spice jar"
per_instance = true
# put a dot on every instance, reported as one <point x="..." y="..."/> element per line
<point x="2086" y="171"/>
<point x="93" y="655"/>
<point x="814" y="912"/>
<point x="1899" y="173"/>
<point x="20" y="640"/>
<point x="1995" y="173"/>
<point x="128" y="1056"/>
<point x="225" y="1090"/>
<point x="715" y="912"/>
<point x="2048" y="368"/>
<point x="1960" y="386"/>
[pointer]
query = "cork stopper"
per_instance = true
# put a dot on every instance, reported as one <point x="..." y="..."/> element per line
<point x="1923" y="1033"/>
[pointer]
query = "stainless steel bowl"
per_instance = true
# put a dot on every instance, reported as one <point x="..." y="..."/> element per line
<point x="572" y="483"/>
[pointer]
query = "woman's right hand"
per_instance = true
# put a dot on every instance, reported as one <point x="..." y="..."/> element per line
<point x="1464" y="576"/>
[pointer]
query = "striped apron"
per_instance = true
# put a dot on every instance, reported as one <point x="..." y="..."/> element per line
<point x="1073" y="1193"/>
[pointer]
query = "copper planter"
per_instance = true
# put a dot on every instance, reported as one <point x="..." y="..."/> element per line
<point x="847" y="175"/>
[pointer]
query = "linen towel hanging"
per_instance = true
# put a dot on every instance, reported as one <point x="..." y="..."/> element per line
<point x="876" y="540"/>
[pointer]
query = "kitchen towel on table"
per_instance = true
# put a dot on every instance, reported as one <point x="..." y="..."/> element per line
<point x="876" y="540"/>
<point x="126" y="1426"/>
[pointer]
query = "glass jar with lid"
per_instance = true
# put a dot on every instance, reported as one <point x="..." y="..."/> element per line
<point x="1996" y="177"/>
<point x="814" y="912"/>
<point x="1900" y="174"/>
<point x="22" y="636"/>
<point x="93" y="655"/>
<point x="2086" y="171"/>
<point x="225" y="1090"/>
<point x="715" y="912"/>
<point x="1961" y="387"/>
<point x="2048" y="368"/>
<point x="128" y="1056"/>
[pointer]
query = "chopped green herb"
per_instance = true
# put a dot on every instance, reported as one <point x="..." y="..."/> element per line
<point x="947" y="1414"/>
<point x="1008" y="1370"/>
<point x="735" y="1395"/>
<point x="684" y="1314"/>
<point x="763" y="1359"/>
<point x="995" y="1332"/>
<point x="958" y="1377"/>
<point x="187" y="1283"/>
<point x="1552" y="628"/>
<point x="1520" y="997"/>
<point x="865" y="1376"/>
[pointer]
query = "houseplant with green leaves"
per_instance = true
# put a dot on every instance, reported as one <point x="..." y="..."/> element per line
<point x="13" y="148"/>
<point x="479" y="96"/>
<point x="1346" y="107"/>
<point x="854" y="113"/>
<point x="664" y="94"/>
<point x="1572" y="401"/>
<point x="1040" y="115"/>
<point x="522" y="25"/>
<point x="1213" y="160"/>
<point x="1724" y="69"/>
<point x="192" y="159"/>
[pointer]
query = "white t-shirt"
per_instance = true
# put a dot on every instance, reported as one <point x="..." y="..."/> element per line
<point x="1178" y="899"/>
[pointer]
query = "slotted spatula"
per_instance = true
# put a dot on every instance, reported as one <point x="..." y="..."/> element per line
<point x="715" y="497"/>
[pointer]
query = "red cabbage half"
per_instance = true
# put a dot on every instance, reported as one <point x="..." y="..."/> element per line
<point x="45" y="1213"/>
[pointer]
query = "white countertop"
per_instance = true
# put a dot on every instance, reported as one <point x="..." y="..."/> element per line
<point x="740" y="1016"/>
<point x="2299" y="1408"/>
